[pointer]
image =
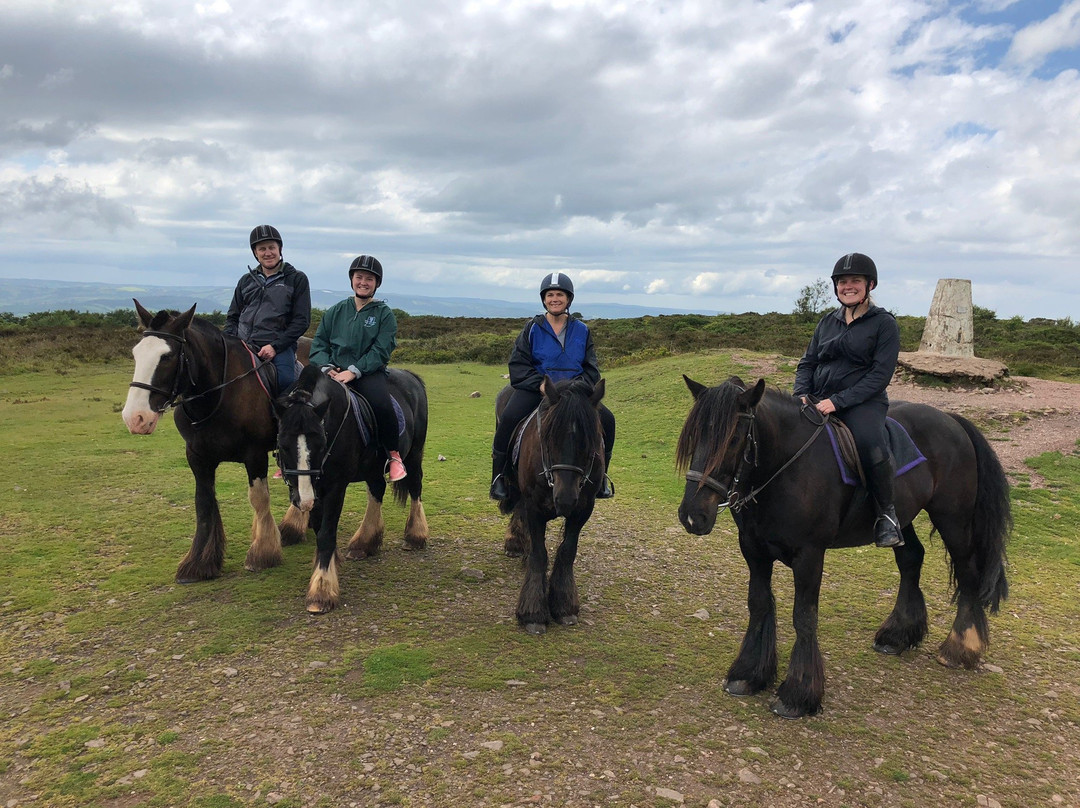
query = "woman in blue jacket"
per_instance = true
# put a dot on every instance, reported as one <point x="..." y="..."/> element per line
<point x="847" y="366"/>
<point x="556" y="345"/>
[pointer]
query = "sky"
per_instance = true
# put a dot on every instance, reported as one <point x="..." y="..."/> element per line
<point x="717" y="155"/>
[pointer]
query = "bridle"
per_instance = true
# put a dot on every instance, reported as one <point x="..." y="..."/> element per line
<point x="547" y="469"/>
<point x="731" y="498"/>
<point x="183" y="365"/>
<point x="315" y="474"/>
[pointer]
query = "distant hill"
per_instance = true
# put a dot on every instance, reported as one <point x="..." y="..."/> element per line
<point x="21" y="297"/>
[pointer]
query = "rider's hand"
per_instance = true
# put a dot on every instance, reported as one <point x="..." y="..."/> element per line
<point x="267" y="352"/>
<point x="825" y="407"/>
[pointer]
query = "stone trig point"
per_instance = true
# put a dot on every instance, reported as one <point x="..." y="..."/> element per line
<point x="947" y="349"/>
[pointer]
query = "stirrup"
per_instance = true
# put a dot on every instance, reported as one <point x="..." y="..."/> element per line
<point x="887" y="534"/>
<point x="498" y="489"/>
<point x="607" y="489"/>
<point x="395" y="468"/>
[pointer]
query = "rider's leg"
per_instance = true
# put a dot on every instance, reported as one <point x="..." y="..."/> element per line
<point x="607" y="423"/>
<point x="520" y="404"/>
<point x="867" y="425"/>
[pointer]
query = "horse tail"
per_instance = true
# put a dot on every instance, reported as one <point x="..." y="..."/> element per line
<point x="992" y="521"/>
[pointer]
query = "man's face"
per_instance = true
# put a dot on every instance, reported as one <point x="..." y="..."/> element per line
<point x="268" y="254"/>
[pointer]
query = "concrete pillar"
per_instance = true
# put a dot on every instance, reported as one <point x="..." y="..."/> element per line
<point x="949" y="327"/>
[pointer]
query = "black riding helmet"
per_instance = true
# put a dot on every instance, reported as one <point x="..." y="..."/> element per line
<point x="856" y="264"/>
<point x="264" y="232"/>
<point x="367" y="263"/>
<point x="557" y="280"/>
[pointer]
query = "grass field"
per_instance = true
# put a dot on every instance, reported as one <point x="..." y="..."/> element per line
<point x="122" y="688"/>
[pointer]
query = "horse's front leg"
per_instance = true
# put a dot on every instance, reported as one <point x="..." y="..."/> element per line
<point x="905" y="627"/>
<point x="532" y="608"/>
<point x="801" y="692"/>
<point x="754" y="668"/>
<point x="207" y="554"/>
<point x="324" y="593"/>
<point x="265" y="549"/>
<point x="562" y="588"/>
<point x="367" y="540"/>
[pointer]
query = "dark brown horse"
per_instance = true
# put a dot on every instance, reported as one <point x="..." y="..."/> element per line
<point x="224" y="414"/>
<point x="764" y="456"/>
<point x="560" y="468"/>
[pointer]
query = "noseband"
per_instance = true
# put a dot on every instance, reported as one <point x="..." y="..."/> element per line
<point x="546" y="469"/>
<point x="315" y="474"/>
<point x="184" y="365"/>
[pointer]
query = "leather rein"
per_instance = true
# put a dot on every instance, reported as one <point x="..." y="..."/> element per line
<point x="184" y="366"/>
<point x="315" y="474"/>
<point x="748" y="463"/>
<point x="546" y="469"/>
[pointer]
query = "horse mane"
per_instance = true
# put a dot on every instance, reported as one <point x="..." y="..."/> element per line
<point x="574" y="410"/>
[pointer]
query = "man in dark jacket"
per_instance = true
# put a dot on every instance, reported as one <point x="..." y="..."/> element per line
<point x="271" y="307"/>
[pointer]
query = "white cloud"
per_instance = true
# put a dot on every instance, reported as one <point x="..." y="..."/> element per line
<point x="660" y="150"/>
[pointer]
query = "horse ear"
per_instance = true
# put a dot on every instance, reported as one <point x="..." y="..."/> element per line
<point x="184" y="320"/>
<point x="144" y="316"/>
<point x="597" y="393"/>
<point x="751" y="397"/>
<point x="550" y="391"/>
<point x="695" y="387"/>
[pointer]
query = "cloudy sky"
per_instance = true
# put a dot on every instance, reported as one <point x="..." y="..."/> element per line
<point x="717" y="155"/>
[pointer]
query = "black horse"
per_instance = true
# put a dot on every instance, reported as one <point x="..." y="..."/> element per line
<point x="560" y="468"/>
<point x="762" y="454"/>
<point x="223" y="412"/>
<point x="321" y="450"/>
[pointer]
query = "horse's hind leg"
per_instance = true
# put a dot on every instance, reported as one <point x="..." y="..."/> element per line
<point x="970" y="633"/>
<point x="265" y="550"/>
<point x="562" y="588"/>
<point x="416" y="526"/>
<point x="207" y="554"/>
<point x="516" y="543"/>
<point x="532" y="608"/>
<point x="802" y="690"/>
<point x="367" y="540"/>
<point x="905" y="627"/>
<point x="754" y="668"/>
<point x="293" y="527"/>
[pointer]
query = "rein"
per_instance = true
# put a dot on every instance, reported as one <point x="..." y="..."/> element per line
<point x="317" y="473"/>
<point x="184" y="364"/>
<point x="750" y="458"/>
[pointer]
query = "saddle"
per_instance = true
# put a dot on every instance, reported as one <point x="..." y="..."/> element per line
<point x="365" y="416"/>
<point x="902" y="448"/>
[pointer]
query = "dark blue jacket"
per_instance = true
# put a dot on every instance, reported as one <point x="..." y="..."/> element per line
<point x="850" y="364"/>
<point x="537" y="352"/>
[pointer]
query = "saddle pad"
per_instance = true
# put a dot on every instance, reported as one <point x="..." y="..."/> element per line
<point x="903" y="449"/>
<point x="360" y="406"/>
<point x="520" y="432"/>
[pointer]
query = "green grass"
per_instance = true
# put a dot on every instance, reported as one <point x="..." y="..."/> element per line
<point x="218" y="692"/>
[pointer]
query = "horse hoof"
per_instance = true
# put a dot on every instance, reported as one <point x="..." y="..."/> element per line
<point x="315" y="608"/>
<point x="948" y="663"/>
<point x="357" y="555"/>
<point x="740" y="687"/>
<point x="888" y="650"/>
<point x="514" y="553"/>
<point x="536" y="629"/>
<point x="784" y="711"/>
<point x="568" y="620"/>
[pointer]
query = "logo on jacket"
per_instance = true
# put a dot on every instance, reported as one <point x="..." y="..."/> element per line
<point x="370" y="321"/>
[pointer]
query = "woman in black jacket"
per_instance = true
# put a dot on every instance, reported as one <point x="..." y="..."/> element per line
<point x="847" y="366"/>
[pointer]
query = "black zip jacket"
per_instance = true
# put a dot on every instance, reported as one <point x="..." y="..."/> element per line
<point x="851" y="364"/>
<point x="270" y="311"/>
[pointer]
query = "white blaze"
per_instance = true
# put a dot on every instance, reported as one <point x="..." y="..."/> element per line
<point x="304" y="486"/>
<point x="138" y="416"/>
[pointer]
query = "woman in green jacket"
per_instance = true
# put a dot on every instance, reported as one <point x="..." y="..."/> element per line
<point x="353" y="345"/>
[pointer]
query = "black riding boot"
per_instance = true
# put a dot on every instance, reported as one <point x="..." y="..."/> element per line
<point x="887" y="527"/>
<point x="498" y="476"/>
<point x="607" y="488"/>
